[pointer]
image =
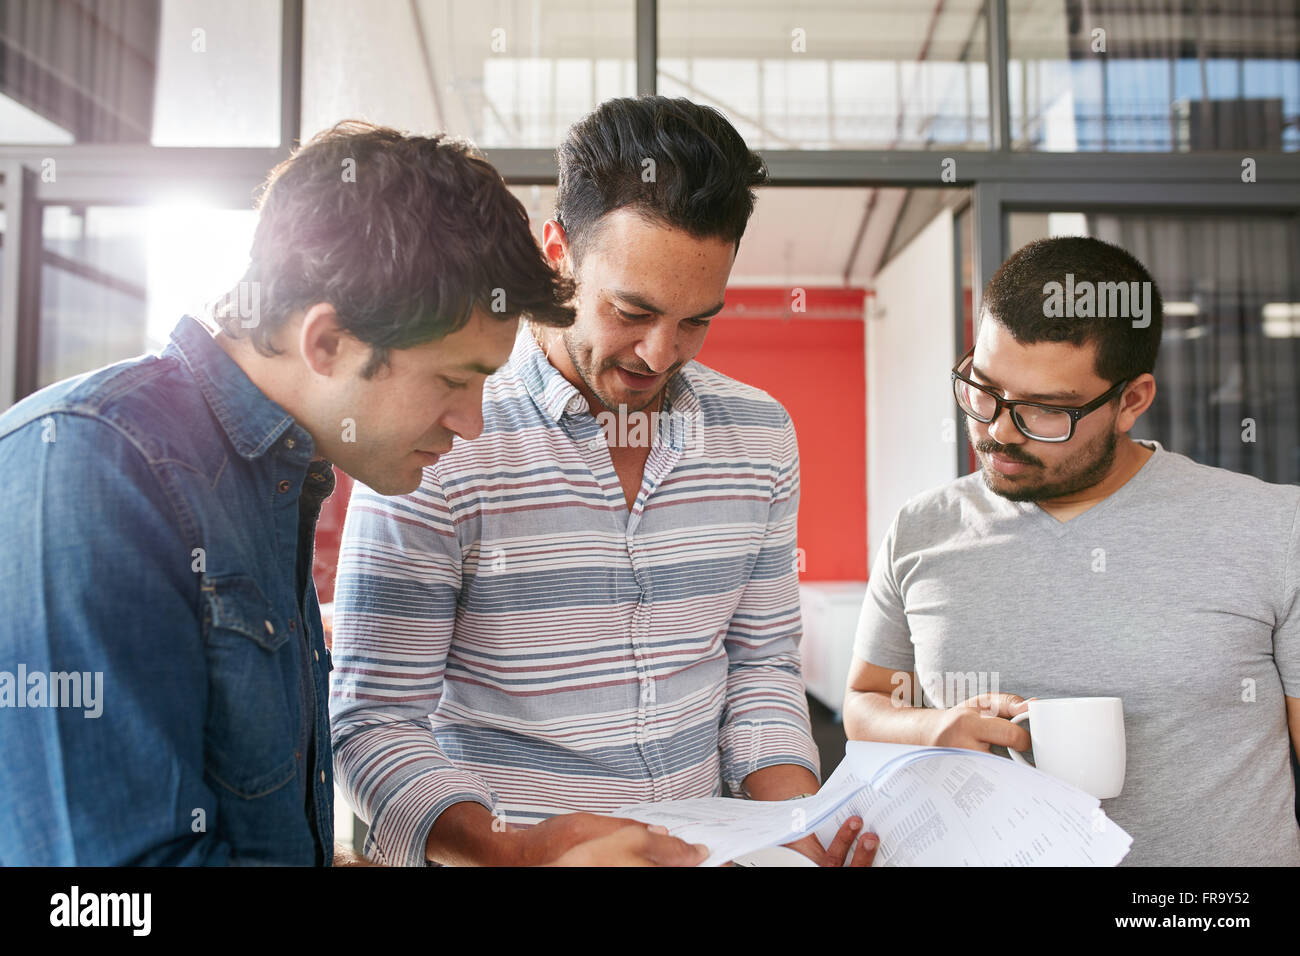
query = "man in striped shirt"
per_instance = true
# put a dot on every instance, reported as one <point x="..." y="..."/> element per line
<point x="595" y="603"/>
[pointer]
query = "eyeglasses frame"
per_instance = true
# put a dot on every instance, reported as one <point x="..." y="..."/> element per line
<point x="1075" y="412"/>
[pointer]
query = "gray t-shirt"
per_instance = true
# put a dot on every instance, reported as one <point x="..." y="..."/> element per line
<point x="1180" y="593"/>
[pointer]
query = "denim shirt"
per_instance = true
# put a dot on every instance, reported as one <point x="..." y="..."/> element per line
<point x="157" y="537"/>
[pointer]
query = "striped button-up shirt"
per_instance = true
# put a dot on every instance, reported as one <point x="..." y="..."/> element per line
<point x="511" y="634"/>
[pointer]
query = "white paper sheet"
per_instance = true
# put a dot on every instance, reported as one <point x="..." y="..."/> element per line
<point x="730" y="827"/>
<point x="947" y="809"/>
<point x="929" y="806"/>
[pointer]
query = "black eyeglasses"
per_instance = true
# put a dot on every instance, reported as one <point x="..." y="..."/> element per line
<point x="1054" y="423"/>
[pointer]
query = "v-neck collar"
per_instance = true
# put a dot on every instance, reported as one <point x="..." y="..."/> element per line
<point x="1125" y="491"/>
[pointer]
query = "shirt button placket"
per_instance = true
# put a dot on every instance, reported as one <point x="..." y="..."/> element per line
<point x="645" y="682"/>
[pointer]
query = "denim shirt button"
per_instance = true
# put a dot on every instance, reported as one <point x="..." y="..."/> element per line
<point x="270" y="628"/>
<point x="289" y="443"/>
<point x="322" y="776"/>
<point x="283" y="486"/>
<point x="293" y="624"/>
<point x="317" y="653"/>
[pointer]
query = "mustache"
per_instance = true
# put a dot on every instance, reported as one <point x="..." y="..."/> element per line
<point x="1009" y="452"/>
<point x="638" y="371"/>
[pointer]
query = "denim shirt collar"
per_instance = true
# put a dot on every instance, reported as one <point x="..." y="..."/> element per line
<point x="555" y="395"/>
<point x="251" y="421"/>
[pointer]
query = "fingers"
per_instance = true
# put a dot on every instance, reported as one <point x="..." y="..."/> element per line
<point x="623" y="821"/>
<point x="997" y="705"/>
<point x="995" y="727"/>
<point x="1018" y="738"/>
<point x="635" y="845"/>
<point x="865" y="854"/>
<point x="629" y="846"/>
<point x="838" y="851"/>
<point x="578" y="827"/>
<point x="597" y="821"/>
<point x="1003" y="733"/>
<point x="657" y="848"/>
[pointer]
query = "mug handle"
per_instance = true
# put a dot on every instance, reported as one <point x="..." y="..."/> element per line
<point x="1015" y="754"/>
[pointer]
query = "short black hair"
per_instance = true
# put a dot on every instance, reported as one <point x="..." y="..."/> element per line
<point x="1017" y="296"/>
<point x="673" y="161"/>
<point x="403" y="235"/>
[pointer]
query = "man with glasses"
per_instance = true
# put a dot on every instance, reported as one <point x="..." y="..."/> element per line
<point x="1079" y="562"/>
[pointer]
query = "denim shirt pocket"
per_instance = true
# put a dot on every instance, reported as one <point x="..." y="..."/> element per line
<point x="251" y="734"/>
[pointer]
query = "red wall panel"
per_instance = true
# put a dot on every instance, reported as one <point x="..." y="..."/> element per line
<point x="814" y="364"/>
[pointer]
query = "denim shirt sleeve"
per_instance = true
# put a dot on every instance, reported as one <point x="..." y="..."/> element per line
<point x="119" y="779"/>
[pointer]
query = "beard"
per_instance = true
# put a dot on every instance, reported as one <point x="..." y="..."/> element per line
<point x="580" y="356"/>
<point x="1080" y="471"/>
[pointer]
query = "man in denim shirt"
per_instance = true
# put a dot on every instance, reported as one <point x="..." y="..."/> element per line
<point x="163" y="677"/>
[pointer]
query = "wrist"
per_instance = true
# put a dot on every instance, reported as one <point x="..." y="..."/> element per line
<point x="935" y="723"/>
<point x="779" y="782"/>
<point x="469" y="834"/>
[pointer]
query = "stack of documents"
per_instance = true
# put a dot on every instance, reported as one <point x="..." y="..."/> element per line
<point x="930" y="806"/>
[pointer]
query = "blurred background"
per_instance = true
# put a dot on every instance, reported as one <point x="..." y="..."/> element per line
<point x="912" y="144"/>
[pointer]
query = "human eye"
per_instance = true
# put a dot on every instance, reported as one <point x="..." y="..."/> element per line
<point x="453" y="383"/>
<point x="632" y="316"/>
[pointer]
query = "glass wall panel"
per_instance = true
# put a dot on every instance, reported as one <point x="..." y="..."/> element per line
<point x="500" y="73"/>
<point x="1150" y="75"/>
<point x="833" y="74"/>
<point x="115" y="279"/>
<point x="166" y="72"/>
<point x="218" y="73"/>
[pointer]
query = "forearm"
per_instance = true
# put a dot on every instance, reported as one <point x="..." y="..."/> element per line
<point x="401" y="799"/>
<point x="766" y="726"/>
<point x="872" y="715"/>
<point x="780" y="782"/>
<point x="469" y="834"/>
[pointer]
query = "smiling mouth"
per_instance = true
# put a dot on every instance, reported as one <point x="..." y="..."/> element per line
<point x="637" y="380"/>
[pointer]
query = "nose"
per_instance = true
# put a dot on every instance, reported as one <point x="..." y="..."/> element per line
<point x="465" y="417"/>
<point x="659" y="347"/>
<point x="1003" y="430"/>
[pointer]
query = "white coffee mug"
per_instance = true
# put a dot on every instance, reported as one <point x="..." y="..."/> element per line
<point x="1079" y="740"/>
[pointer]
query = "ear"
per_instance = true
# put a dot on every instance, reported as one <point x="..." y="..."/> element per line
<point x="1137" y="398"/>
<point x="326" y="347"/>
<point x="555" y="245"/>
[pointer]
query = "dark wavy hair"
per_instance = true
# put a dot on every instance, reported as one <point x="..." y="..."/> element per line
<point x="703" y="173"/>
<point x="403" y="235"/>
<point x="1014" y="299"/>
